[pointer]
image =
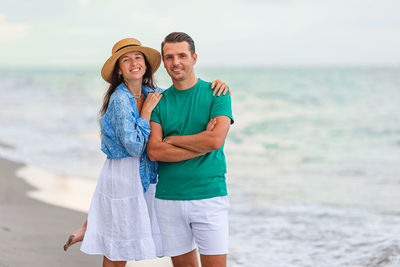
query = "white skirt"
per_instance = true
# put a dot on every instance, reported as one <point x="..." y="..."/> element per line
<point x="122" y="224"/>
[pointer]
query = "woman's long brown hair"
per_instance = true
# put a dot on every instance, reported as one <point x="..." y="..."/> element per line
<point x="118" y="79"/>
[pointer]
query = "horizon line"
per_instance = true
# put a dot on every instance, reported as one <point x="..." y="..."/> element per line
<point x="256" y="66"/>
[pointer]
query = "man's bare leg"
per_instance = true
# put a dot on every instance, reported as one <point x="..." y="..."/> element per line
<point x="186" y="260"/>
<point x="213" y="260"/>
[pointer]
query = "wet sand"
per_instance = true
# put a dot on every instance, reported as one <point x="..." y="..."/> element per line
<point x="33" y="233"/>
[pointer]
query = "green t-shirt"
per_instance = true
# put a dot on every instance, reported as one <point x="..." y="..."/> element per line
<point x="187" y="112"/>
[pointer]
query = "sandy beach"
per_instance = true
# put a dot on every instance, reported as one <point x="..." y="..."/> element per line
<point x="33" y="229"/>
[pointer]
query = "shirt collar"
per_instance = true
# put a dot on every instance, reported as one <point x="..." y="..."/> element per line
<point x="145" y="89"/>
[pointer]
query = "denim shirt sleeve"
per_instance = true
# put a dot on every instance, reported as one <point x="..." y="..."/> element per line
<point x="147" y="89"/>
<point x="133" y="132"/>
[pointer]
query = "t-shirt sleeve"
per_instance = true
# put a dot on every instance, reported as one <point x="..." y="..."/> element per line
<point x="222" y="106"/>
<point x="155" y="115"/>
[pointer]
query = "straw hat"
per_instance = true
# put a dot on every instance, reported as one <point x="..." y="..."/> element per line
<point x="125" y="46"/>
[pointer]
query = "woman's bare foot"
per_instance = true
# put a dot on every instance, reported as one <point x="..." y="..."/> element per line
<point x="76" y="236"/>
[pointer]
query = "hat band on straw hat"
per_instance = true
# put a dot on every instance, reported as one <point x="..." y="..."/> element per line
<point x="126" y="46"/>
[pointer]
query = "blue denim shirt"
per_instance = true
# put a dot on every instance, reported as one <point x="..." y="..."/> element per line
<point x="125" y="133"/>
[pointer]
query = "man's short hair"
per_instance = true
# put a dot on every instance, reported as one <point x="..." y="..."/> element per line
<point x="178" y="37"/>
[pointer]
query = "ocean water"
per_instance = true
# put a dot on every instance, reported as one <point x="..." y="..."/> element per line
<point x="313" y="156"/>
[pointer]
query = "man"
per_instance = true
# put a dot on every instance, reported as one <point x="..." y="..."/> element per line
<point x="188" y="131"/>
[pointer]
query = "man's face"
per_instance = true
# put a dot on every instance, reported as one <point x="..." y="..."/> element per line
<point x="178" y="61"/>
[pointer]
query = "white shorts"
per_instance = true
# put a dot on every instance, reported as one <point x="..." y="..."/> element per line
<point x="187" y="223"/>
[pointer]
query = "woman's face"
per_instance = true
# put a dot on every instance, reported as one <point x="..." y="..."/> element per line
<point x="132" y="66"/>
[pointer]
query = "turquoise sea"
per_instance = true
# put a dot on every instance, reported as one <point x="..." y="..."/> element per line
<point x="313" y="156"/>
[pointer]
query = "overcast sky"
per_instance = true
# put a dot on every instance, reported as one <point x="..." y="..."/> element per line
<point x="234" y="33"/>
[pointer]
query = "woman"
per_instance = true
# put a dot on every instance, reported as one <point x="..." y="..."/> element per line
<point x="121" y="224"/>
